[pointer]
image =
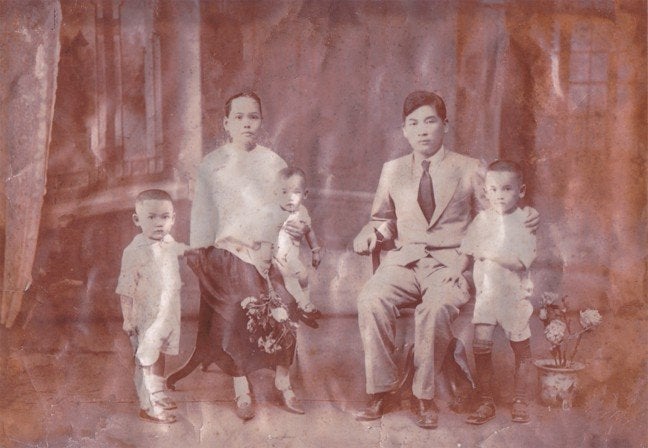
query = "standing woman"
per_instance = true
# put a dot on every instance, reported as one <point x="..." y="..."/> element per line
<point x="234" y="224"/>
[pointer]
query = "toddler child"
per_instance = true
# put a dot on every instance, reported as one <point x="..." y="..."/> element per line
<point x="286" y="256"/>
<point x="503" y="248"/>
<point x="149" y="289"/>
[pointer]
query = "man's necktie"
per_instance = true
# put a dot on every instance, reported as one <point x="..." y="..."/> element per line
<point x="426" y="192"/>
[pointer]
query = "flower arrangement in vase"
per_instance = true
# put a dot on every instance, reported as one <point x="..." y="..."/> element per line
<point x="558" y="327"/>
<point x="558" y="376"/>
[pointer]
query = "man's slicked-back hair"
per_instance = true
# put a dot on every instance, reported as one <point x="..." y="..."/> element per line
<point x="507" y="166"/>
<point x="290" y="171"/>
<point x="153" y="194"/>
<point x="243" y="94"/>
<point x="422" y="98"/>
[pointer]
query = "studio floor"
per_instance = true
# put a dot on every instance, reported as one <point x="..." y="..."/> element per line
<point x="73" y="387"/>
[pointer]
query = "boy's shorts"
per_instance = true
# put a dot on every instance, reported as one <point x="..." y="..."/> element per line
<point x="511" y="314"/>
<point x="161" y="337"/>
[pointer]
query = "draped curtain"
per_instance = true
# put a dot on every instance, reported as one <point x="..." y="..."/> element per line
<point x="29" y="63"/>
<point x="490" y="62"/>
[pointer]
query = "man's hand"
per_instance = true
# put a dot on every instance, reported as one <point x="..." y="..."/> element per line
<point x="296" y="229"/>
<point x="454" y="272"/>
<point x="366" y="241"/>
<point x="453" y="275"/>
<point x="532" y="220"/>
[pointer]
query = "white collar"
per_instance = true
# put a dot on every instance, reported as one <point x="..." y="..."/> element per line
<point x="235" y="148"/>
<point x="140" y="240"/>
<point x="435" y="159"/>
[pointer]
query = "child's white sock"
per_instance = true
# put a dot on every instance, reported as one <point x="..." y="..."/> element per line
<point x="142" y="391"/>
<point x="154" y="383"/>
<point x="154" y="386"/>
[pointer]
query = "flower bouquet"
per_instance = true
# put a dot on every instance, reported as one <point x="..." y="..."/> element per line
<point x="558" y="331"/>
<point x="268" y="322"/>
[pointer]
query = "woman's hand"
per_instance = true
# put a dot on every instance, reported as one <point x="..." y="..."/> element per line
<point x="297" y="229"/>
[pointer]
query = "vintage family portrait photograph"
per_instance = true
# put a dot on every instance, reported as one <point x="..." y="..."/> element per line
<point x="323" y="223"/>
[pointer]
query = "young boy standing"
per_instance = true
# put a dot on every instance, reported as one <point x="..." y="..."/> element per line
<point x="503" y="248"/>
<point x="286" y="256"/>
<point x="149" y="289"/>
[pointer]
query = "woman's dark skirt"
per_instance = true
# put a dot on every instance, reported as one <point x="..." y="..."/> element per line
<point x="225" y="280"/>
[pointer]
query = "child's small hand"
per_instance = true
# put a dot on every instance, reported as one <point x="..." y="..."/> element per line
<point x="316" y="256"/>
<point x="128" y="327"/>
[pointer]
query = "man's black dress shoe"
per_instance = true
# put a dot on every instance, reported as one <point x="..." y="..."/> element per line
<point x="427" y="415"/>
<point x="375" y="407"/>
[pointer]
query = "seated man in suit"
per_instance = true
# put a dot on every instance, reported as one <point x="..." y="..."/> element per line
<point x="424" y="203"/>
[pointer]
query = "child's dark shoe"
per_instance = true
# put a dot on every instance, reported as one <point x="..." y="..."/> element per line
<point x="484" y="413"/>
<point x="520" y="412"/>
<point x="310" y="317"/>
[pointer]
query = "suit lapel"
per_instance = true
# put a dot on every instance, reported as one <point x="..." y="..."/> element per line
<point x="445" y="184"/>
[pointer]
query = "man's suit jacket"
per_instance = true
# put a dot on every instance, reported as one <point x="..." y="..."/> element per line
<point x="396" y="214"/>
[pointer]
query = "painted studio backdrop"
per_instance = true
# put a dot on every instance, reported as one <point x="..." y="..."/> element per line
<point x="102" y="99"/>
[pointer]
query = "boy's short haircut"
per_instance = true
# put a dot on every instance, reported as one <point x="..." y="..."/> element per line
<point x="422" y="98"/>
<point x="243" y="94"/>
<point x="153" y="194"/>
<point x="290" y="171"/>
<point x="507" y="166"/>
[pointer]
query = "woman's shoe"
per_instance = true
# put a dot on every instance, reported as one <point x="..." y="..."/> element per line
<point x="291" y="403"/>
<point x="374" y="409"/>
<point x="244" y="407"/>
